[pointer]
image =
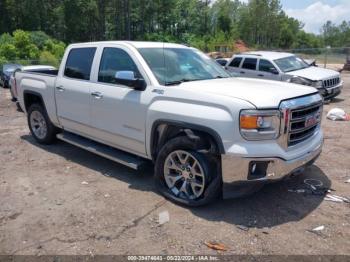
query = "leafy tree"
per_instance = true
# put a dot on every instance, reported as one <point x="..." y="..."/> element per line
<point x="8" y="51"/>
<point x="6" y="38"/>
<point x="39" y="38"/>
<point x="47" y="58"/>
<point x="336" y="36"/>
<point x="27" y="47"/>
<point x="56" y="48"/>
<point x="24" y="45"/>
<point x="202" y="23"/>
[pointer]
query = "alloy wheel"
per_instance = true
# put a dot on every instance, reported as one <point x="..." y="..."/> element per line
<point x="184" y="175"/>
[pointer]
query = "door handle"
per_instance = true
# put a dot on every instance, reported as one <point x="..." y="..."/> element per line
<point x="242" y="72"/>
<point x="60" y="88"/>
<point x="97" y="95"/>
<point x="261" y="75"/>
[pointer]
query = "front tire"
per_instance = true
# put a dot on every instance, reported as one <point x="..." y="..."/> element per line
<point x="186" y="176"/>
<point x="40" y="125"/>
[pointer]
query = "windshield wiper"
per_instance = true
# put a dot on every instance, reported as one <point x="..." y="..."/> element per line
<point x="177" y="82"/>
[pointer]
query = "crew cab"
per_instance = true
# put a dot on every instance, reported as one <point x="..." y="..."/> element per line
<point x="209" y="135"/>
<point x="286" y="67"/>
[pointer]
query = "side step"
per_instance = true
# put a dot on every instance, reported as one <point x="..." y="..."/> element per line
<point x="113" y="154"/>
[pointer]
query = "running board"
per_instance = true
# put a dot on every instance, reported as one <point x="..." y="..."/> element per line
<point x="113" y="154"/>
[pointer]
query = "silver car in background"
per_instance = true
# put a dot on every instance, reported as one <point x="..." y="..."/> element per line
<point x="6" y="72"/>
<point x="286" y="67"/>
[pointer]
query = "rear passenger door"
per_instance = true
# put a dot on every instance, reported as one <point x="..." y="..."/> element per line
<point x="233" y="66"/>
<point x="248" y="68"/>
<point x="72" y="90"/>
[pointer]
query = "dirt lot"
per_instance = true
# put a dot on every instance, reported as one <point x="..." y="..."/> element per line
<point x="46" y="209"/>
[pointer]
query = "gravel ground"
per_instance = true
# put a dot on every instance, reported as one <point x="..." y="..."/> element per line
<point x="60" y="199"/>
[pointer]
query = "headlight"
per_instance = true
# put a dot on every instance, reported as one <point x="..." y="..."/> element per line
<point x="300" y="81"/>
<point x="317" y="84"/>
<point x="260" y="124"/>
<point x="305" y="82"/>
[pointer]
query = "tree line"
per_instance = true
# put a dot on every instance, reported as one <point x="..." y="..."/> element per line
<point x="200" y="23"/>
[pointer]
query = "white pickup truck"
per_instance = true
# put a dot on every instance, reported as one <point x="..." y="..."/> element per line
<point x="209" y="134"/>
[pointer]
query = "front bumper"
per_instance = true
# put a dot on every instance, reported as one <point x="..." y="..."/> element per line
<point x="332" y="92"/>
<point x="236" y="169"/>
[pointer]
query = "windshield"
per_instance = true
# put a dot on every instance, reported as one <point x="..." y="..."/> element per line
<point x="10" y="67"/>
<point x="10" y="70"/>
<point x="177" y="65"/>
<point x="291" y="63"/>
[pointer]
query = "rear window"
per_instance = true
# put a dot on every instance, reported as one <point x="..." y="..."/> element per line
<point x="79" y="63"/>
<point x="236" y="62"/>
<point x="250" y="63"/>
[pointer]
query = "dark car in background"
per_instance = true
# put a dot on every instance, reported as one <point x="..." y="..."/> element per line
<point x="222" y="61"/>
<point x="6" y="73"/>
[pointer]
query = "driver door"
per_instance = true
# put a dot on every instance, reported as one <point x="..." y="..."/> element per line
<point x="117" y="111"/>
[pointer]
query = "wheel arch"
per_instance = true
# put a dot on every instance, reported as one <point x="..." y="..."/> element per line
<point x="162" y="130"/>
<point x="32" y="97"/>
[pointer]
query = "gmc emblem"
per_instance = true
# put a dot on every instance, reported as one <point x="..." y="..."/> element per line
<point x="313" y="120"/>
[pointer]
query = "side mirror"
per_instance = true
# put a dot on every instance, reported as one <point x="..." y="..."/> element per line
<point x="128" y="78"/>
<point x="274" y="71"/>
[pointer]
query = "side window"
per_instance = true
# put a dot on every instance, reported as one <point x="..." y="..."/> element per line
<point x="114" y="60"/>
<point x="79" y="63"/>
<point x="250" y="63"/>
<point x="266" y="66"/>
<point x="236" y="62"/>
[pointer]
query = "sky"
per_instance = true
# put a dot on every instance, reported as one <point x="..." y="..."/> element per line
<point x="315" y="13"/>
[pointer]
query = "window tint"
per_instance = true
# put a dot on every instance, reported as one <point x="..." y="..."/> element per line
<point x="114" y="60"/>
<point x="172" y="66"/>
<point x="250" y="63"/>
<point x="79" y="63"/>
<point x="221" y="62"/>
<point x="266" y="66"/>
<point x="236" y="62"/>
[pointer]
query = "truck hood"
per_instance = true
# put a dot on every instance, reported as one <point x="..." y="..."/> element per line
<point x="260" y="93"/>
<point x="314" y="73"/>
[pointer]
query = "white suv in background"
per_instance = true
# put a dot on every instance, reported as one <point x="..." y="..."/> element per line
<point x="286" y="67"/>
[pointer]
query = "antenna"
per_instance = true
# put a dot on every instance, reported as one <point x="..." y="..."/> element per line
<point x="166" y="69"/>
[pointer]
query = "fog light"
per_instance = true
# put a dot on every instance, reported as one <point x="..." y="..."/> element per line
<point x="257" y="169"/>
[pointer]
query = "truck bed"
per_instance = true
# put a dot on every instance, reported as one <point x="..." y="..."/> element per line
<point x="44" y="72"/>
<point x="42" y="83"/>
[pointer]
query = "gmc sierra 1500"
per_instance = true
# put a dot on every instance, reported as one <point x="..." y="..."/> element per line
<point x="205" y="131"/>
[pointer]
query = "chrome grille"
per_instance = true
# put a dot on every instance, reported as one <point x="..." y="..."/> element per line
<point x="303" y="123"/>
<point x="331" y="82"/>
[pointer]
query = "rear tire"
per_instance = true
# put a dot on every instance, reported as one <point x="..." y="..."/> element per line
<point x="41" y="128"/>
<point x="13" y="99"/>
<point x="185" y="176"/>
<point x="6" y="85"/>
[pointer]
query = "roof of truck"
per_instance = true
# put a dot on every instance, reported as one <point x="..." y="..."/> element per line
<point x="268" y="54"/>
<point x="136" y="44"/>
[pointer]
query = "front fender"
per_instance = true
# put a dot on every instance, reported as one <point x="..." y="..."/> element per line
<point x="215" y="120"/>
